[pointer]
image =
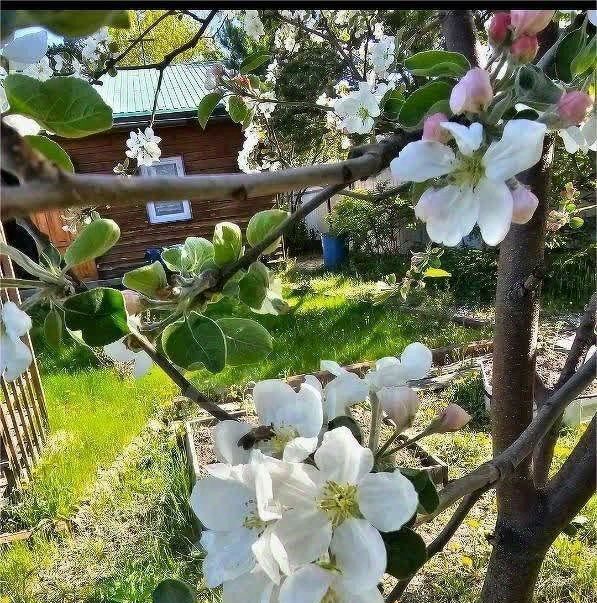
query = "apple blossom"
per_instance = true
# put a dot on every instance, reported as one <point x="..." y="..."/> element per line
<point x="118" y="351"/>
<point x="530" y="22"/>
<point x="343" y="391"/>
<point x="432" y="129"/>
<point x="382" y="54"/>
<point x="143" y="146"/>
<point x="573" y="106"/>
<point x="41" y="70"/>
<point x="499" y="28"/>
<point x="452" y="418"/>
<point x="581" y="138"/>
<point x="400" y="404"/>
<point x="341" y="506"/>
<point x="295" y="420"/>
<point x="476" y="189"/>
<point x="524" y="204"/>
<point x="26" y="49"/>
<point x="524" y="49"/>
<point x="15" y="355"/>
<point x="358" y="109"/>
<point x="473" y="93"/>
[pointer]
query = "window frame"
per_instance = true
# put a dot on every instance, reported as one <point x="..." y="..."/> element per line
<point x="153" y="216"/>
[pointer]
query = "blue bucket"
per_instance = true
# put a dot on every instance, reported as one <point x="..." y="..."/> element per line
<point x="334" y="250"/>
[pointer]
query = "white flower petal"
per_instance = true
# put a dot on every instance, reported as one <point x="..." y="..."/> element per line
<point x="263" y="553"/>
<point x="269" y="395"/>
<point x="387" y="500"/>
<point x="16" y="322"/>
<point x="309" y="417"/>
<point x="495" y="212"/>
<point x="23" y="125"/>
<point x="229" y="555"/>
<point x="307" y="585"/>
<point x="295" y="485"/>
<point x="416" y="359"/>
<point x="386" y="361"/>
<point x="226" y="435"/>
<point x="254" y="586"/>
<point x="421" y="160"/>
<point x="27" y="49"/>
<point x="519" y="148"/>
<point x="468" y="139"/>
<point x="341" y="392"/>
<point x="15" y="357"/>
<point x="313" y="381"/>
<point x="266" y="507"/>
<point x="298" y="449"/>
<point x="332" y="367"/>
<point x="369" y="596"/>
<point x="589" y="130"/>
<point x="340" y="458"/>
<point x="360" y="554"/>
<point x="299" y="537"/>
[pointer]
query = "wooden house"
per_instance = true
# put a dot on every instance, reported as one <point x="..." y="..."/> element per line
<point x="186" y="149"/>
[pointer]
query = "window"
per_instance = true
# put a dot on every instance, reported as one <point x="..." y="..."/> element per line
<point x="167" y="211"/>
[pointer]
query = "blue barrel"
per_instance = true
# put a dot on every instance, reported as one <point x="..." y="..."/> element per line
<point x="334" y="250"/>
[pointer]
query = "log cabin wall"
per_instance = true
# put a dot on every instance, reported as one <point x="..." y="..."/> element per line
<point x="213" y="150"/>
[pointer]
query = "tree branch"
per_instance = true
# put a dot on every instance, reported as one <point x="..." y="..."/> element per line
<point x="459" y="33"/>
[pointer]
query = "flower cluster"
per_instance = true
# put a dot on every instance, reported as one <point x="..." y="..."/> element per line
<point x="294" y="512"/>
<point x="143" y="146"/>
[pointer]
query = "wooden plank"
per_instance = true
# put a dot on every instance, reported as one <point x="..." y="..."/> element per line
<point x="14" y="431"/>
<point x="10" y="447"/>
<point x="23" y="425"/>
<point x="29" y="404"/>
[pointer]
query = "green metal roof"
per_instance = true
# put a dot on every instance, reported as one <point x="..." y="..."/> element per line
<point x="131" y="92"/>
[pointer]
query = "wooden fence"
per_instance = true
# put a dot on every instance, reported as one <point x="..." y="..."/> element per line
<point x="23" y="415"/>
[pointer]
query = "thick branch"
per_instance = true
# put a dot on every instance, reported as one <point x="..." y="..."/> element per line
<point x="458" y="29"/>
<point x="78" y="190"/>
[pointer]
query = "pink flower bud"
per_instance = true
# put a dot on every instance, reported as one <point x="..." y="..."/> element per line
<point x="400" y="403"/>
<point x="433" y="131"/>
<point x="473" y="93"/>
<point x="452" y="418"/>
<point x="524" y="49"/>
<point x="530" y="22"/>
<point x="573" y="107"/>
<point x="525" y="204"/>
<point x="132" y="302"/>
<point x="499" y="28"/>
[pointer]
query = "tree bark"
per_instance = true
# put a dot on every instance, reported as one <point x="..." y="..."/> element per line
<point x="458" y="29"/>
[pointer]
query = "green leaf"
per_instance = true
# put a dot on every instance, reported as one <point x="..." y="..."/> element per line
<point x="421" y="480"/>
<point x="99" y="314"/>
<point x="94" y="240"/>
<point x="75" y="23"/>
<point x="252" y="287"/>
<point x="247" y="341"/>
<point x="50" y="150"/>
<point x="419" y="103"/>
<point x="586" y="59"/>
<point x="535" y="89"/>
<point x="173" y="591"/>
<point x="173" y="258"/>
<point x="254" y="60"/>
<point x="406" y="552"/>
<point x="237" y="109"/>
<point x="53" y="328"/>
<point x="195" y="341"/>
<point x="227" y="242"/>
<point x="576" y="222"/>
<point x="392" y="107"/>
<point x="572" y="44"/>
<point x="262" y="224"/>
<point x="437" y="63"/>
<point x="68" y="106"/>
<point x="197" y="252"/>
<point x="207" y="105"/>
<point x="436" y="273"/>
<point x="147" y="280"/>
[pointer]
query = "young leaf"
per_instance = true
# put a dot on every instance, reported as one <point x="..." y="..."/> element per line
<point x="421" y="480"/>
<point x="576" y="222"/>
<point x="68" y="106"/>
<point x="206" y="107"/>
<point x="252" y="287"/>
<point x="437" y="63"/>
<point x="53" y="328"/>
<point x="198" y="252"/>
<point x="535" y="89"/>
<point x="586" y="59"/>
<point x="99" y="314"/>
<point x="75" y="23"/>
<point x="568" y="49"/>
<point x="237" y="109"/>
<point x="227" y="242"/>
<point x="261" y="224"/>
<point x="195" y="341"/>
<point x="147" y="280"/>
<point x="254" y="60"/>
<point x="173" y="258"/>
<point x="50" y="150"/>
<point x="436" y="273"/>
<point x="173" y="591"/>
<point x="246" y="341"/>
<point x="94" y="240"/>
<point x="419" y="103"/>
<point x="406" y="552"/>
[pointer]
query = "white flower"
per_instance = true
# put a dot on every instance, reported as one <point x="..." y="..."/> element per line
<point x="476" y="191"/>
<point x="253" y="25"/>
<point x="344" y="142"/>
<point x="15" y="355"/>
<point x="339" y="506"/>
<point x="358" y="109"/>
<point x="313" y="583"/>
<point x="235" y="504"/>
<point x="27" y="49"/>
<point x="342" y="88"/>
<point x="295" y="420"/>
<point x="581" y="138"/>
<point x="40" y="70"/>
<point x="119" y="352"/>
<point x="23" y="125"/>
<point x="143" y="146"/>
<point x="414" y="363"/>
<point x="59" y="62"/>
<point x="378" y="31"/>
<point x="271" y="72"/>
<point x="77" y="69"/>
<point x="90" y="50"/>
<point x="341" y="392"/>
<point x="382" y="54"/>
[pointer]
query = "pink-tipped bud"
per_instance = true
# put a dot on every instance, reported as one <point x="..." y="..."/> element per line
<point x="400" y="403"/>
<point x="524" y="204"/>
<point x="433" y="131"/>
<point x="473" y="93"/>
<point x="499" y="28"/>
<point x="132" y="302"/>
<point x="573" y="107"/>
<point x="530" y="22"/>
<point x="524" y="49"/>
<point x="452" y="418"/>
